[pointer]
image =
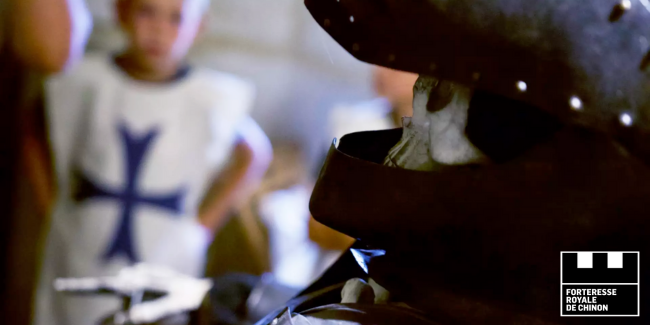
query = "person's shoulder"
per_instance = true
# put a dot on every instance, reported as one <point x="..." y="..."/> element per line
<point x="371" y="109"/>
<point x="93" y="66"/>
<point x="95" y="61"/>
<point x="228" y="96"/>
<point x="220" y="84"/>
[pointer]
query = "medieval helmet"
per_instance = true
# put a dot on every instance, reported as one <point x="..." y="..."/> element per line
<point x="483" y="242"/>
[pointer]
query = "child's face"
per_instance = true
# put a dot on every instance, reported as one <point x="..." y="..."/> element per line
<point x="160" y="32"/>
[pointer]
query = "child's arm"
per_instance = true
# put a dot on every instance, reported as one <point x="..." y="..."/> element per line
<point x="248" y="163"/>
<point x="328" y="238"/>
<point x="47" y="35"/>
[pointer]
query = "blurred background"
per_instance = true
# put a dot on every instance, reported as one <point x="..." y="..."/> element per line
<point x="309" y="90"/>
<point x="299" y="71"/>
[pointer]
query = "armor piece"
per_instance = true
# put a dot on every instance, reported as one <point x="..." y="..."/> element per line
<point x="585" y="61"/>
<point x="480" y="244"/>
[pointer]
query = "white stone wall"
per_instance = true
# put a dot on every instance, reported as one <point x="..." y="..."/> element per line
<point x="299" y="71"/>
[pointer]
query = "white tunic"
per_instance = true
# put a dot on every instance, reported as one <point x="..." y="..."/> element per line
<point x="133" y="161"/>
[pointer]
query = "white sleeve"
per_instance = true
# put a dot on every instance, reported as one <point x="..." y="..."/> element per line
<point x="249" y="130"/>
<point x="236" y="100"/>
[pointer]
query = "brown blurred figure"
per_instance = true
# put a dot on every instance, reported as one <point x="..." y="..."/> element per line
<point x="37" y="38"/>
<point x="396" y="89"/>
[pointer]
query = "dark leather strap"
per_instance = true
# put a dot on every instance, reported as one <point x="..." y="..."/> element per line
<point x="370" y="314"/>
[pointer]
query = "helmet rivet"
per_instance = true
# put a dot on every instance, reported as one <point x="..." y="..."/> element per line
<point x="476" y="76"/>
<point x="626" y="4"/>
<point x="626" y="119"/>
<point x="522" y="86"/>
<point x="355" y="46"/>
<point x="351" y="19"/>
<point x="576" y="103"/>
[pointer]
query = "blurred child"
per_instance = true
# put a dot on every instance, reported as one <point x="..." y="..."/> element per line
<point x="395" y="100"/>
<point x="150" y="155"/>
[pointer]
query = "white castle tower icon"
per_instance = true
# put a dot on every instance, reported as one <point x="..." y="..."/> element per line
<point x="586" y="260"/>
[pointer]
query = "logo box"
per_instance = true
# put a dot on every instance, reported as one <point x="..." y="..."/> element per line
<point x="599" y="284"/>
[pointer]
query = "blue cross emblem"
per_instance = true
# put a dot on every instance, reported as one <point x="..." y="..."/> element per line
<point x="135" y="149"/>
